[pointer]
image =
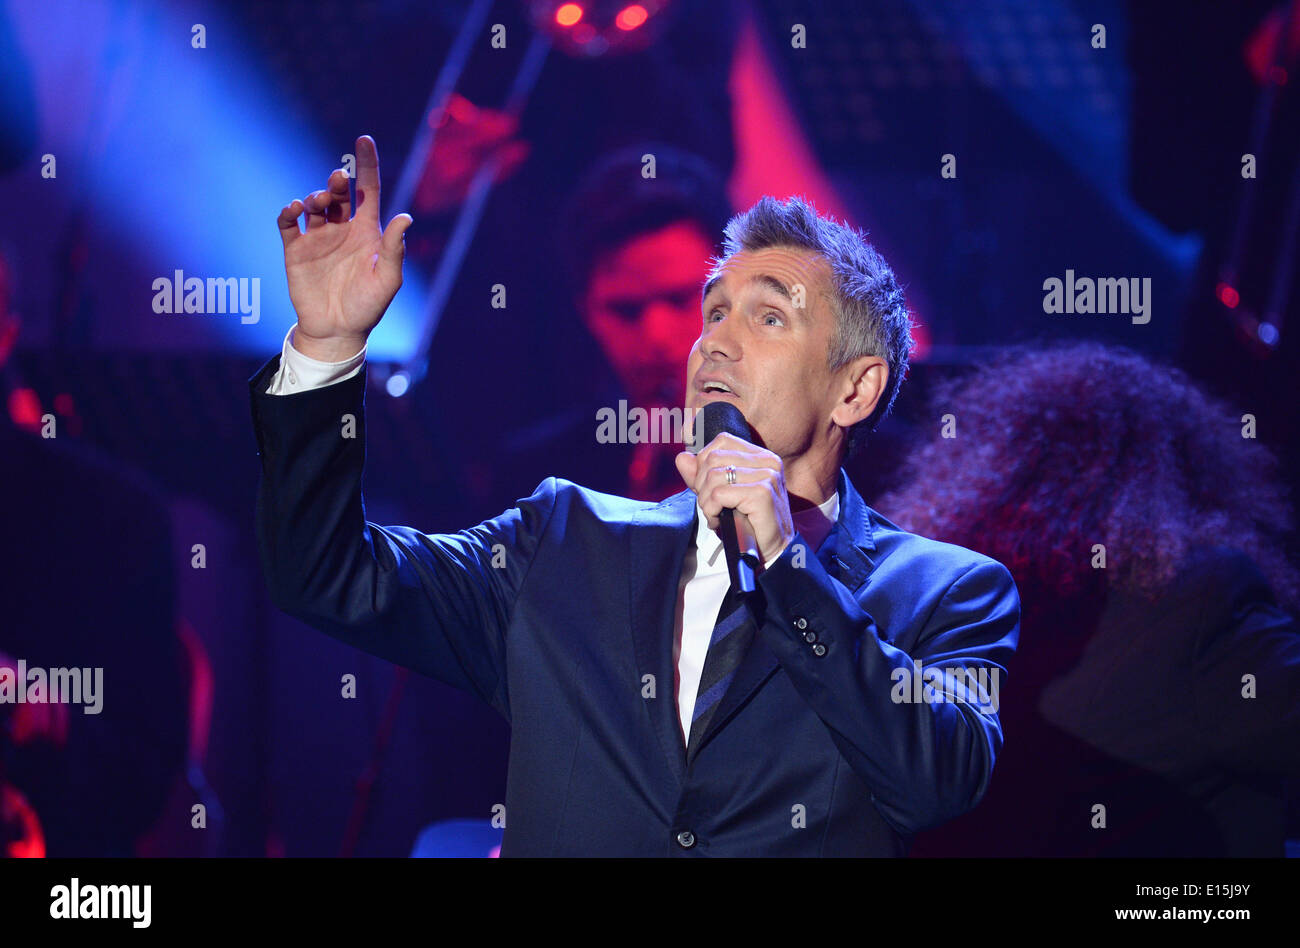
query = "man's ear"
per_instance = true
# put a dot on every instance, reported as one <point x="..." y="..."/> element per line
<point x="862" y="383"/>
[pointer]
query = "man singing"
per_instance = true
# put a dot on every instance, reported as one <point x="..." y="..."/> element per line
<point x="655" y="711"/>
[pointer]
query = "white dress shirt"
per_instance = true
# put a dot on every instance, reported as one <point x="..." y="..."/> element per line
<point x="704" y="580"/>
<point x="704" y="585"/>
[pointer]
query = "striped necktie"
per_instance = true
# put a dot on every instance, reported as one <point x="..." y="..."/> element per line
<point x="732" y="634"/>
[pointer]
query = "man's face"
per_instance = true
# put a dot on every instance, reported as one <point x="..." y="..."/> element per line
<point x="642" y="307"/>
<point x="772" y="354"/>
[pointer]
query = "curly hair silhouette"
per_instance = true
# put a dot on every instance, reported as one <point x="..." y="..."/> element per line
<point x="1064" y="445"/>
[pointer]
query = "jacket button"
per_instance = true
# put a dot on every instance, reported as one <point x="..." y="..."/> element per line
<point x="686" y="839"/>
<point x="801" y="623"/>
<point x="810" y="636"/>
<point x="819" y="650"/>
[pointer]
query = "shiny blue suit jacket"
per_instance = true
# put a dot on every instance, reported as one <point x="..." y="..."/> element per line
<point x="559" y="614"/>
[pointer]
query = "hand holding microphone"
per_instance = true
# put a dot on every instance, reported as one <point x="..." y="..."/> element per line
<point x="738" y="485"/>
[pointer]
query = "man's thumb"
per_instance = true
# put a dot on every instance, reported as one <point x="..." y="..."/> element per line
<point x="687" y="465"/>
<point x="393" y="244"/>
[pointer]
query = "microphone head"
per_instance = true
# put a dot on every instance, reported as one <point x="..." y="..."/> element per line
<point x="715" y="418"/>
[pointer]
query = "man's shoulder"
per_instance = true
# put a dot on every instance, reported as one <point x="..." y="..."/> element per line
<point x="934" y="560"/>
<point x="611" y="508"/>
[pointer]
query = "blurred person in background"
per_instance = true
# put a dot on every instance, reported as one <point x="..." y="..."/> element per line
<point x="633" y="249"/>
<point x="1158" y="679"/>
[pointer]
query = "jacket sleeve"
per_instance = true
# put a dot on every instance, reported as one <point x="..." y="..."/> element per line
<point x="926" y="761"/>
<point x="436" y="603"/>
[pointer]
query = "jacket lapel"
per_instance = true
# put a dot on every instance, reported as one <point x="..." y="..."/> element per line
<point x="844" y="556"/>
<point x="659" y="538"/>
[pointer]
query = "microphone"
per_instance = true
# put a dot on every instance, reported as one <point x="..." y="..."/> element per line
<point x="714" y="419"/>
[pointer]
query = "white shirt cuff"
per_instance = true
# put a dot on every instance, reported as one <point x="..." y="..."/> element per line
<point x="300" y="373"/>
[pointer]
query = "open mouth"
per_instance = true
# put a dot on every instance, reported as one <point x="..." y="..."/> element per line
<point x="716" y="388"/>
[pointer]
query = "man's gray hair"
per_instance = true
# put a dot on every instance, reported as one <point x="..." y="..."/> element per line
<point x="871" y="317"/>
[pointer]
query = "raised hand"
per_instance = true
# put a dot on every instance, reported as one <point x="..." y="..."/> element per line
<point x="343" y="271"/>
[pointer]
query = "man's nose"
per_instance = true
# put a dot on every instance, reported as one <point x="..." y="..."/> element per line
<point x="720" y="340"/>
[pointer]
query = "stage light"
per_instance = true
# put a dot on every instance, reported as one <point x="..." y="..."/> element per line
<point x="25" y="408"/>
<point x="595" y="28"/>
<point x="397" y="384"/>
<point x="568" y="14"/>
<point x="223" y="115"/>
<point x="630" y="17"/>
<point x="1227" y="295"/>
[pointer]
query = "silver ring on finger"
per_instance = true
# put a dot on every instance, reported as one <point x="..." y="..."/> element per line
<point x="731" y="474"/>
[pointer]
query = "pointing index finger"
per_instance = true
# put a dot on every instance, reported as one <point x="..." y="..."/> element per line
<point x="367" y="179"/>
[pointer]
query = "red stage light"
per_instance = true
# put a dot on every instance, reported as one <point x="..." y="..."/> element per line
<point x="25" y="408"/>
<point x="630" y="17"/>
<point x="1228" y="296"/>
<point x="568" y="14"/>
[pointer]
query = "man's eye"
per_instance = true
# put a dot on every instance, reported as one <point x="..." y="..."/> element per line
<point x="709" y="317"/>
<point x="776" y="316"/>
